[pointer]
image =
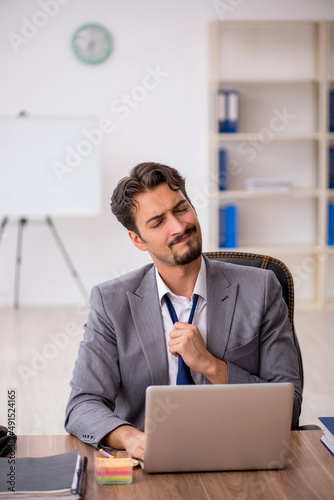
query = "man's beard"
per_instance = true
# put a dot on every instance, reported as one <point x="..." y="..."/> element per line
<point x="192" y="254"/>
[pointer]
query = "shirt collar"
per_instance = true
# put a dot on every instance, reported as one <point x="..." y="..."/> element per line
<point x="200" y="285"/>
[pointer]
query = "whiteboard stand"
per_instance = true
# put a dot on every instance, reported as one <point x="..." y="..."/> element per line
<point x="22" y="222"/>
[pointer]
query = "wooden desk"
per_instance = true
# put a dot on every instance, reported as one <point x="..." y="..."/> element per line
<point x="309" y="474"/>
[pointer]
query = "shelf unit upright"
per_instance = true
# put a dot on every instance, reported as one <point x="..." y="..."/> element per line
<point x="328" y="142"/>
<point x="283" y="71"/>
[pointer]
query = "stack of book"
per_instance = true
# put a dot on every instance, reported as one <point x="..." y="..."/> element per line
<point x="331" y="168"/>
<point x="259" y="185"/>
<point x="328" y="436"/>
<point x="228" y="111"/>
<point x="330" y="241"/>
<point x="228" y="226"/>
<point x="331" y="111"/>
<point x="222" y="169"/>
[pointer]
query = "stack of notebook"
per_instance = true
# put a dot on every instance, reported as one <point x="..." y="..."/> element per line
<point x="55" y="476"/>
<point x="328" y="436"/>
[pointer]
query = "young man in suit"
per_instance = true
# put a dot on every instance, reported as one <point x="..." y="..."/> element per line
<point x="240" y="332"/>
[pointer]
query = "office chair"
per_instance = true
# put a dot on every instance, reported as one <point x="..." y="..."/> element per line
<point x="284" y="277"/>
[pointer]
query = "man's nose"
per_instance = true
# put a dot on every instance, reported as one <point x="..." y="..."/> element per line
<point x="175" y="225"/>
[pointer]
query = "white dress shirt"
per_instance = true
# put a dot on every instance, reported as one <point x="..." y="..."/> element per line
<point x="182" y="306"/>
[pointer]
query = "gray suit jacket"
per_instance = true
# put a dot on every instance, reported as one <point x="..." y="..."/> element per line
<point x="124" y="349"/>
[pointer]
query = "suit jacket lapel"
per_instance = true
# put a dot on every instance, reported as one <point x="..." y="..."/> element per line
<point x="222" y="297"/>
<point x="146" y="314"/>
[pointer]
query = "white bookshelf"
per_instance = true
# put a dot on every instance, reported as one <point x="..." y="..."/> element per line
<point x="279" y="68"/>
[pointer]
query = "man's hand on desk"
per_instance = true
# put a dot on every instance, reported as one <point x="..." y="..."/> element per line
<point x="127" y="438"/>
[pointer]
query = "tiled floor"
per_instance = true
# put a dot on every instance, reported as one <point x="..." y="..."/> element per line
<point x="39" y="347"/>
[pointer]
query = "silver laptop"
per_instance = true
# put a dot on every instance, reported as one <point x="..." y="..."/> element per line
<point x="217" y="427"/>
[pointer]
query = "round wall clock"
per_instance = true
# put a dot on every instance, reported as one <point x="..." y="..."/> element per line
<point x="92" y="43"/>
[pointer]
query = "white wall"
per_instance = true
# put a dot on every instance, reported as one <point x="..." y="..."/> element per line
<point x="44" y="78"/>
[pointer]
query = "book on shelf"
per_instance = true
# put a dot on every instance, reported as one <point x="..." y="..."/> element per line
<point x="331" y="168"/>
<point x="331" y="110"/>
<point x="259" y="185"/>
<point x="228" y="111"/>
<point x="328" y="434"/>
<point x="43" y="477"/>
<point x="228" y="226"/>
<point x="330" y="241"/>
<point x="222" y="111"/>
<point x="222" y="168"/>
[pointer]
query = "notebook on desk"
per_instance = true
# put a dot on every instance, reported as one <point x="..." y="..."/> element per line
<point x="217" y="427"/>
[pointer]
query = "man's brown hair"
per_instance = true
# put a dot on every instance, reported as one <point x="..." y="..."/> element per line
<point x="144" y="177"/>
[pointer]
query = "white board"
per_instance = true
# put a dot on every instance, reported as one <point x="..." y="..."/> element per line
<point x="49" y="167"/>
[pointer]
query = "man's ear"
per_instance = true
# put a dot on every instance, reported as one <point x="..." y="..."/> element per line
<point x="137" y="241"/>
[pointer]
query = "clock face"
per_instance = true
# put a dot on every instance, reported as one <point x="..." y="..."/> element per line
<point x="92" y="43"/>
